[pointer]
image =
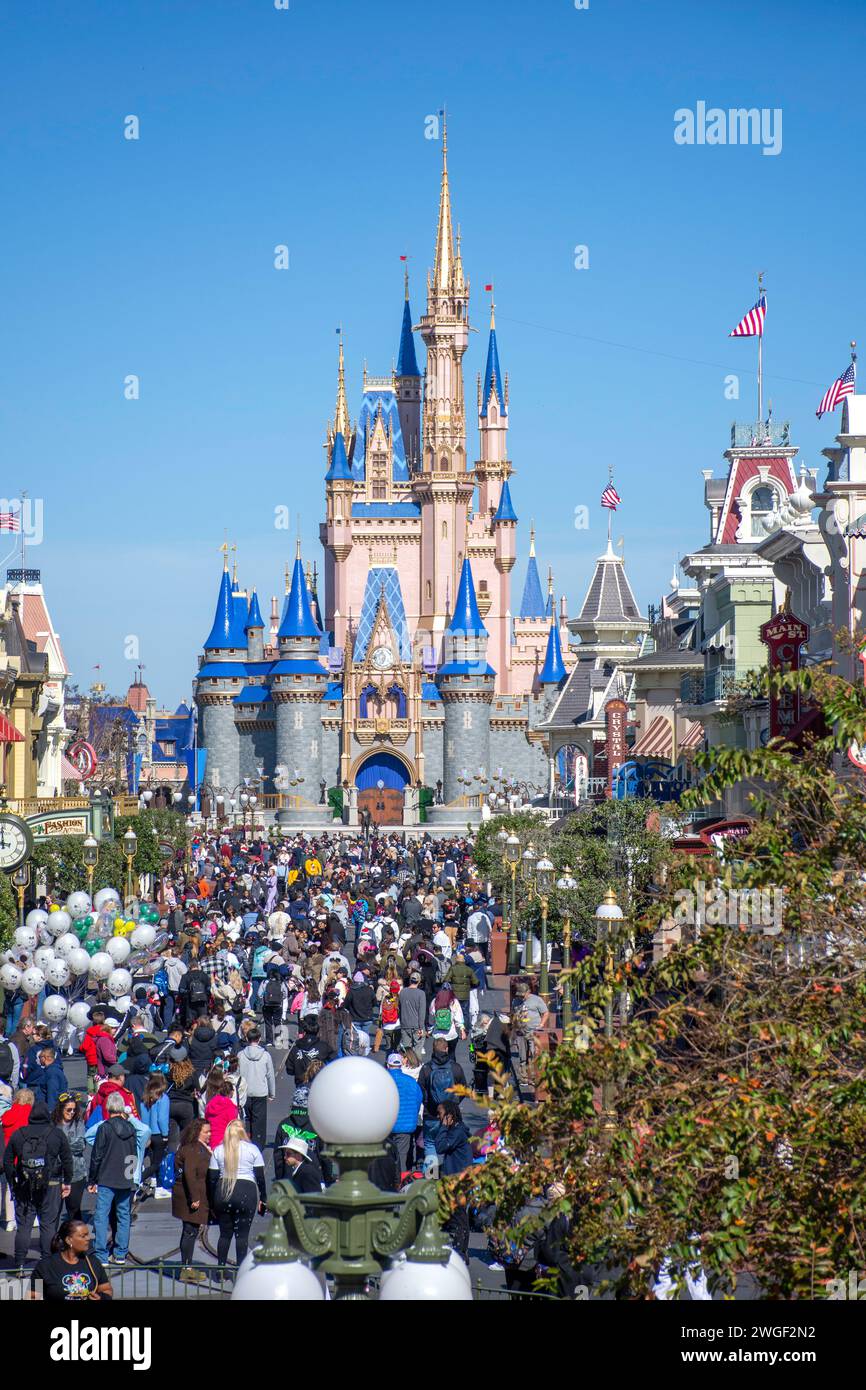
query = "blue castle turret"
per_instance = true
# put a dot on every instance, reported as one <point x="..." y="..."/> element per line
<point x="298" y="681"/>
<point x="553" y="670"/>
<point x="465" y="681"/>
<point x="408" y="380"/>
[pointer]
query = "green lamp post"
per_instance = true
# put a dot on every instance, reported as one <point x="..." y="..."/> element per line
<point x="354" y="1232"/>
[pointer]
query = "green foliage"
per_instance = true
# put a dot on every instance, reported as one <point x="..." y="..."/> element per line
<point x="737" y="1068"/>
<point x="8" y="911"/>
<point x="62" y="858"/>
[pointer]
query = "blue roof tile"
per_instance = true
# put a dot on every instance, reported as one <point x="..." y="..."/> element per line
<point x="339" y="470"/>
<point x="466" y="617"/>
<point x="254" y="617"/>
<point x="298" y="620"/>
<point x="532" y="604"/>
<point x="553" y="670"/>
<point x="492" y="378"/>
<point x="505" y="511"/>
<point x="225" y="632"/>
<point x="407" y="362"/>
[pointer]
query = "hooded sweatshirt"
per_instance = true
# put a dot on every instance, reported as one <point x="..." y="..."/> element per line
<point x="219" y="1113"/>
<point x="115" y="1143"/>
<point x="203" y="1047"/>
<point x="257" y="1070"/>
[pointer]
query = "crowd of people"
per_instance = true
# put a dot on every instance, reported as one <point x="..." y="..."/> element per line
<point x="269" y="956"/>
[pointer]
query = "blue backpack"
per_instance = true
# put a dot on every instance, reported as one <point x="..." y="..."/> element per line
<point x="441" y="1082"/>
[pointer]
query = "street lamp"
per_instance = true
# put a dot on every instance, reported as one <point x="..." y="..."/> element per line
<point x="512" y="858"/>
<point x="544" y="872"/>
<point x="351" y="1231"/>
<point x="20" y="879"/>
<point x="608" y="912"/>
<point x="90" y="855"/>
<point x="130" y="845"/>
<point x="528" y="859"/>
<point x="566" y="884"/>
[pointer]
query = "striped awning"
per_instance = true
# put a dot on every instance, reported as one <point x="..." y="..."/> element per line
<point x="693" y="738"/>
<point x="8" y="732"/>
<point x="656" y="741"/>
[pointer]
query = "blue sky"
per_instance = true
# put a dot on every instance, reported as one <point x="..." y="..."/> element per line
<point x="307" y="127"/>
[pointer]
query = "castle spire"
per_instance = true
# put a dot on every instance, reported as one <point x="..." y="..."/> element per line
<point x="553" y="670"/>
<point x="341" y="414"/>
<point x="443" y="264"/>
<point x="298" y="620"/>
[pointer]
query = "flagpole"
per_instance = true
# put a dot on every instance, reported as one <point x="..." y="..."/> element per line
<point x="761" y="353"/>
<point x="609" y="510"/>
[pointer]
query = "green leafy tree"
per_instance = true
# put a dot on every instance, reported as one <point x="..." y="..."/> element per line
<point x="711" y="1103"/>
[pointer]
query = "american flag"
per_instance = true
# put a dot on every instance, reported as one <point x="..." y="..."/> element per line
<point x="610" y="497"/>
<point x="10" y="521"/>
<point x="751" y="325"/>
<point x="842" y="386"/>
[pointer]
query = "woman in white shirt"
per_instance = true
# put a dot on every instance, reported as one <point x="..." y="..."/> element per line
<point x="236" y="1189"/>
<point x="446" y="1018"/>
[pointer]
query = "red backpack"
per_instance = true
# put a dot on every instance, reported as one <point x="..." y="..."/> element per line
<point x="390" y="1010"/>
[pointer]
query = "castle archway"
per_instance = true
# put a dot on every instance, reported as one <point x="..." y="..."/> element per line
<point x="384" y="803"/>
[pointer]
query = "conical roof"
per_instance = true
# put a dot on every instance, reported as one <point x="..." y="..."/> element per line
<point x="225" y="631"/>
<point x="254" y="617"/>
<point x="505" y="511"/>
<point x="553" y="670"/>
<point x="609" y="598"/>
<point x="298" y="620"/>
<point x="407" y="362"/>
<point x="466" y="617"/>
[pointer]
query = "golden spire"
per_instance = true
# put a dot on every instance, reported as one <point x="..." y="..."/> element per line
<point x="532" y="540"/>
<point x="443" y="264"/>
<point x="225" y="550"/>
<point x="458" y="263"/>
<point x="341" y="415"/>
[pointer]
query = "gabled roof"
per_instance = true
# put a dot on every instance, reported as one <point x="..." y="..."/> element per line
<point x="466" y="617"/>
<point x="298" y="620"/>
<point x="553" y="670"/>
<point x="37" y="625"/>
<point x="505" y="511"/>
<point x="381" y="400"/>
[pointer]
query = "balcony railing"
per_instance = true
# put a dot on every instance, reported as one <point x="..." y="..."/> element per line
<point x="716" y="684"/>
<point x="760" y="434"/>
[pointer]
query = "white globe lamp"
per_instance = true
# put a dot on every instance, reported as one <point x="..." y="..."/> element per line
<point x="353" y="1101"/>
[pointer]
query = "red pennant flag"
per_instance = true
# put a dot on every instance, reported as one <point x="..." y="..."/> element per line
<point x="488" y="287"/>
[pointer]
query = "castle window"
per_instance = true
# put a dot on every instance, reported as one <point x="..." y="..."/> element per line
<point x="443" y="464"/>
<point x="493" y="415"/>
<point x="379" y="492"/>
<point x="429" y="590"/>
<point x="482" y="585"/>
<point x="444" y="530"/>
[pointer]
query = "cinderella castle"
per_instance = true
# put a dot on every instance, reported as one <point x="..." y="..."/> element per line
<point x="419" y="671"/>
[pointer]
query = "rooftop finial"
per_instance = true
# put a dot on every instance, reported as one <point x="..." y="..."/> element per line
<point x="288" y="577"/>
<point x="225" y="550"/>
<point x="532" y="540"/>
<point x="298" y="548"/>
<point x="341" y="414"/>
<point x="406" y="283"/>
<point x="234" y="566"/>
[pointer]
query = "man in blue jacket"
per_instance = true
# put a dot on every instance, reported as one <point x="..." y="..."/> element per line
<point x="411" y="1100"/>
<point x="47" y="1080"/>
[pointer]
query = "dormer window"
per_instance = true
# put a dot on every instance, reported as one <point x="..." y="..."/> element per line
<point x="761" y="506"/>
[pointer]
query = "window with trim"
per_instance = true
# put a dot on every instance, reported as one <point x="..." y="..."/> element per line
<point x="761" y="507"/>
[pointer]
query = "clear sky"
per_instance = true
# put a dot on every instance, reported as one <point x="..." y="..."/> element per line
<point x="306" y="127"/>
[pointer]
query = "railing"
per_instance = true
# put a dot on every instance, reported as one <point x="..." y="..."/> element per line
<point x="279" y="801"/>
<point x="161" y="1281"/>
<point x="755" y="436"/>
<point x="716" y="684"/>
<point x="38" y="805"/>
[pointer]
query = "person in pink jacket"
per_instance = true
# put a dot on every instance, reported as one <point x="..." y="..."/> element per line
<point x="220" y="1111"/>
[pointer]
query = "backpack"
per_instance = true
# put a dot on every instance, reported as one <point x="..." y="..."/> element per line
<point x="391" y="1011"/>
<point x="7" y="1065"/>
<point x="272" y="995"/>
<point x="442" y="1020"/>
<point x="31" y="1170"/>
<point x="439" y="1084"/>
<point x="160" y="982"/>
<point x="198" y="990"/>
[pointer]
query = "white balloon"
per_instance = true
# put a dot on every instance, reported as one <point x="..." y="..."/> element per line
<point x="119" y="981"/>
<point x="78" y="904"/>
<point x="118" y="948"/>
<point x="10" y="976"/>
<point x="78" y="961"/>
<point x="32" y="981"/>
<point x="45" y="937"/>
<point x="58" y="973"/>
<point x="26" y="938"/>
<point x="143" y="936"/>
<point x="43" y="956"/>
<point x="101" y="965"/>
<point x="79" y="1014"/>
<point x="59" y="922"/>
<point x="105" y="896"/>
<point x="66" y="945"/>
<point x="36" y="918"/>
<point x="54" y="1008"/>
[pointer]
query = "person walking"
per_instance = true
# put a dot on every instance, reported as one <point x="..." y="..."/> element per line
<point x="189" y="1198"/>
<point x="113" y="1178"/>
<point x="412" y="1008"/>
<point x="236" y="1190"/>
<point x="38" y="1168"/>
<point x="408" y="1116"/>
<point x="156" y="1114"/>
<point x="437" y="1079"/>
<point x="69" y="1117"/>
<point x="257" y="1070"/>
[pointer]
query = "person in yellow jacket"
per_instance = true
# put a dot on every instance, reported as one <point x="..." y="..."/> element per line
<point x="313" y="866"/>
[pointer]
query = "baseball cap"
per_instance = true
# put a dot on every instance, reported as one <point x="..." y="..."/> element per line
<point x="394" y="1060"/>
<point x="117" y="1070"/>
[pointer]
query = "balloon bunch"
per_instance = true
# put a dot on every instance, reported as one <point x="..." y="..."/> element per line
<point x="84" y="937"/>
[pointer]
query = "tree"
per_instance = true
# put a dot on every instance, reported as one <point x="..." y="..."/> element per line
<point x="738" y="1134"/>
